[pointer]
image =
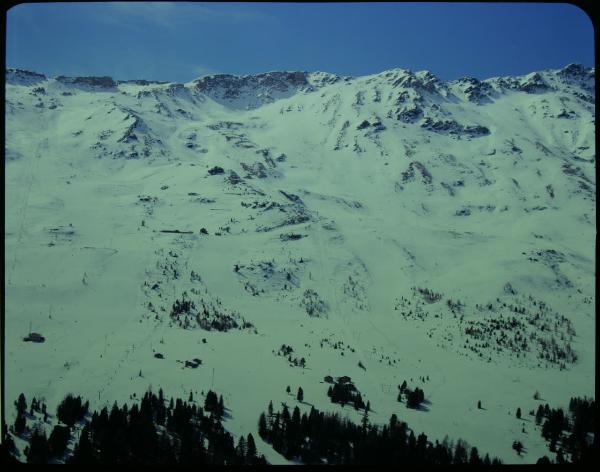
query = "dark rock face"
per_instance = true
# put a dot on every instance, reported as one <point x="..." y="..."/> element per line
<point x="257" y="169"/>
<point x="23" y="77"/>
<point x="323" y="79"/>
<point x="174" y="89"/>
<point x="225" y="125"/>
<point x="430" y="83"/>
<point x="282" y="80"/>
<point x="581" y="75"/>
<point x="292" y="198"/>
<point x="409" y="174"/>
<point x="216" y="170"/>
<point x="476" y="131"/>
<point x="232" y="86"/>
<point x="129" y="134"/>
<point x="576" y="71"/>
<point x="141" y="82"/>
<point x="234" y="178"/>
<point x="420" y="82"/>
<point x="291" y="237"/>
<point x="453" y="128"/>
<point x="475" y="90"/>
<point x="409" y="114"/>
<point x="93" y="82"/>
<point x="378" y="126"/>
<point x="534" y="84"/>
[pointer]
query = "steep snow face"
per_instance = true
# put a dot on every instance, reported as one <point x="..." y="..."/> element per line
<point x="438" y="232"/>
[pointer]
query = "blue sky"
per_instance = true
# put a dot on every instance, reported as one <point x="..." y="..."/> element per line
<point x="180" y="41"/>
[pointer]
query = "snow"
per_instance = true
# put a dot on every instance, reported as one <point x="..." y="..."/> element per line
<point x="78" y="255"/>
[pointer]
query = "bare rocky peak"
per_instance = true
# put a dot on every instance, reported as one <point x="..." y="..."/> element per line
<point x="141" y="82"/>
<point x="320" y="79"/>
<point x="414" y="91"/>
<point x="232" y="85"/>
<point x="577" y="71"/>
<point x="421" y="81"/>
<point x="23" y="77"/>
<point x="91" y="82"/>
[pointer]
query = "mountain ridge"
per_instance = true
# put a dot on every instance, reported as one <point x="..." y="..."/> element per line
<point x="569" y="70"/>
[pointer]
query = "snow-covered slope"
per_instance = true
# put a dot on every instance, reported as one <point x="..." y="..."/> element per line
<point x="442" y="230"/>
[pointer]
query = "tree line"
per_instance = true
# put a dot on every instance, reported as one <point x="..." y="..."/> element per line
<point x="155" y="431"/>
<point x="319" y="437"/>
<point x="572" y="434"/>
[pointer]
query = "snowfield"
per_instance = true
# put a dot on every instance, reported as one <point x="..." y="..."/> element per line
<point x="440" y="233"/>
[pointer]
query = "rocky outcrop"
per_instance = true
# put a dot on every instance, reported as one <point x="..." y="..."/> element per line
<point x="23" y="77"/>
<point x="577" y="72"/>
<point x="141" y="82"/>
<point x="92" y="83"/>
<point x="475" y="90"/>
<point x="453" y="128"/>
<point x="533" y="83"/>
<point x="255" y="90"/>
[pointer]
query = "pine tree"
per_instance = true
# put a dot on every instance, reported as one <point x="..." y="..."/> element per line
<point x="393" y="421"/>
<point x="20" y="424"/>
<point x="83" y="453"/>
<point x="474" y="457"/>
<point x="38" y="448"/>
<point x="221" y="410"/>
<point x="250" y="449"/>
<point x="270" y="414"/>
<point x="288" y="389"/>
<point x="460" y="452"/>
<point x="262" y="426"/>
<point x="479" y="405"/>
<point x="518" y="446"/>
<point x="539" y="415"/>
<point x="21" y="404"/>
<point x="300" y="396"/>
<point x="9" y="444"/>
<point x="211" y="402"/>
<point x="519" y="413"/>
<point x="241" y="447"/>
<point x="365" y="421"/>
<point x="58" y="440"/>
